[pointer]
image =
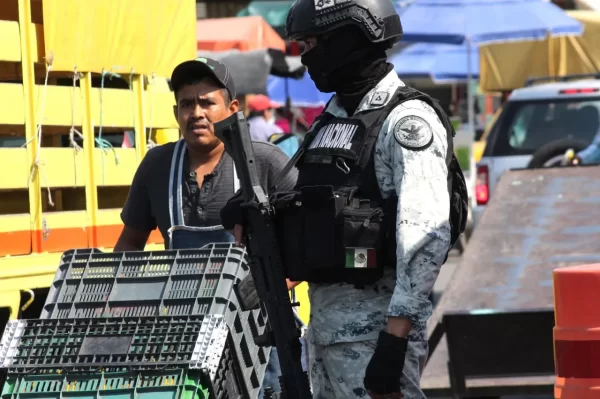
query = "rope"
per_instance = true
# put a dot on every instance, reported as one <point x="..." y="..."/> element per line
<point x="103" y="143"/>
<point x="73" y="131"/>
<point x="29" y="301"/>
<point x="132" y="104"/>
<point x="37" y="164"/>
<point x="151" y="144"/>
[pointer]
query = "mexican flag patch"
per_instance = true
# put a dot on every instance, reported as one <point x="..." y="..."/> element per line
<point x="360" y="257"/>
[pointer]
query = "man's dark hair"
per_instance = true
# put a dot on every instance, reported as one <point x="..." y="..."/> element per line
<point x="192" y="80"/>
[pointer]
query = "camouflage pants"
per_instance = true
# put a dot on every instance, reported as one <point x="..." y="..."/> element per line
<point x="337" y="370"/>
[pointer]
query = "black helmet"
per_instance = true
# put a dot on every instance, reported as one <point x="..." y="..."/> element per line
<point x="377" y="18"/>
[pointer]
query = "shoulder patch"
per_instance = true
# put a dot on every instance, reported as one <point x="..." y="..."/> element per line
<point x="379" y="98"/>
<point x="413" y="132"/>
<point x="321" y="4"/>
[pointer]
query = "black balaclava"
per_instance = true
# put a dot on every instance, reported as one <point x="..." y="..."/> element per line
<point x="347" y="63"/>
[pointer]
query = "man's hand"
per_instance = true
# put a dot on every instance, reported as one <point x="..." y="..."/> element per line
<point x="382" y="376"/>
<point x="238" y="234"/>
<point x="232" y="213"/>
<point x="397" y="327"/>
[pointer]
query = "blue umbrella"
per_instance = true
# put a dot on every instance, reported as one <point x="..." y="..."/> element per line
<point x="302" y="92"/>
<point x="484" y="21"/>
<point x="443" y="63"/>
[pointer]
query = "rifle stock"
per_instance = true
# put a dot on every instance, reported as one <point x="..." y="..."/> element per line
<point x="266" y="266"/>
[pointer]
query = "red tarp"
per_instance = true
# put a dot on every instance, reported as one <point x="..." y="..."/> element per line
<point x="242" y="33"/>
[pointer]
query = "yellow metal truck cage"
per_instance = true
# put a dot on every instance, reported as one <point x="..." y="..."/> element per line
<point x="57" y="192"/>
<point x="74" y="72"/>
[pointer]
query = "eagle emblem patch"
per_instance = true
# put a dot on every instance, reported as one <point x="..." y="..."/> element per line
<point x="413" y="132"/>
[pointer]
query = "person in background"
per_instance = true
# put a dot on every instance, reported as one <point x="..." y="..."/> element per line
<point x="588" y="120"/>
<point x="282" y="121"/>
<point x="262" y="118"/>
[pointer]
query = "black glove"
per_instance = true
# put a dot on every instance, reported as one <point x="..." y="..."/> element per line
<point x="231" y="213"/>
<point x="385" y="368"/>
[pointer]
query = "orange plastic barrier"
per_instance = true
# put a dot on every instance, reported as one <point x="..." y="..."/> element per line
<point x="577" y="332"/>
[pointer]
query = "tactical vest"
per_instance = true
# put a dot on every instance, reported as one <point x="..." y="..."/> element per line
<point x="335" y="226"/>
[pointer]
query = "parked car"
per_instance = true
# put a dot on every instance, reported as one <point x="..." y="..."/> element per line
<point x="537" y="125"/>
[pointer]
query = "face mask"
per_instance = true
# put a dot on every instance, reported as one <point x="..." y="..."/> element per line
<point x="271" y="120"/>
<point x="318" y="70"/>
<point x="343" y="48"/>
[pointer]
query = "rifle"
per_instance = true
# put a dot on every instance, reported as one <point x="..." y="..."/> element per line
<point x="266" y="267"/>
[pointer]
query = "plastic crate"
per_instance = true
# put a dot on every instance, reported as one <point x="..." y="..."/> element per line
<point x="28" y="346"/>
<point x="93" y="284"/>
<point x="240" y="362"/>
<point x="76" y="343"/>
<point x="119" y="384"/>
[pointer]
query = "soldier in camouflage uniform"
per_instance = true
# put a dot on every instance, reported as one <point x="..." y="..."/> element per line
<point x="379" y="202"/>
<point x="372" y="341"/>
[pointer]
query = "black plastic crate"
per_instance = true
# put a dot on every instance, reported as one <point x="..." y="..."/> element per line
<point x="90" y="284"/>
<point x="50" y="343"/>
<point x="93" y="284"/>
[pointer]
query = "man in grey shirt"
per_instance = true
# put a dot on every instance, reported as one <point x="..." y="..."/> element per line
<point x="205" y="94"/>
<point x="181" y="187"/>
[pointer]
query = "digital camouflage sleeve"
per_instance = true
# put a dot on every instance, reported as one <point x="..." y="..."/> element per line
<point x="410" y="163"/>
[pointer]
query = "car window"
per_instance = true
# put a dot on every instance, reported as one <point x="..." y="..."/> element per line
<point x="525" y="126"/>
<point x="520" y="126"/>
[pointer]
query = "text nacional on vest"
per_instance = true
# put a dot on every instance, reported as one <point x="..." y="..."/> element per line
<point x="335" y="135"/>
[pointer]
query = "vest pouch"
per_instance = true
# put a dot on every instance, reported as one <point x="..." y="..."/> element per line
<point x="288" y="226"/>
<point x="306" y="227"/>
<point x="363" y="228"/>
<point x="320" y="209"/>
<point x="363" y="233"/>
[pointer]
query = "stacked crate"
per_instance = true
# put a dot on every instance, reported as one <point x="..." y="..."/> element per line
<point x="141" y="323"/>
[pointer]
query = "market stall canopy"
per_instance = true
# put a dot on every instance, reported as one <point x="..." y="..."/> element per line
<point x="274" y="12"/>
<point x="442" y="63"/>
<point x="251" y="69"/>
<point x="97" y="36"/>
<point x="243" y="33"/>
<point x="484" y="21"/>
<point x="506" y="66"/>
